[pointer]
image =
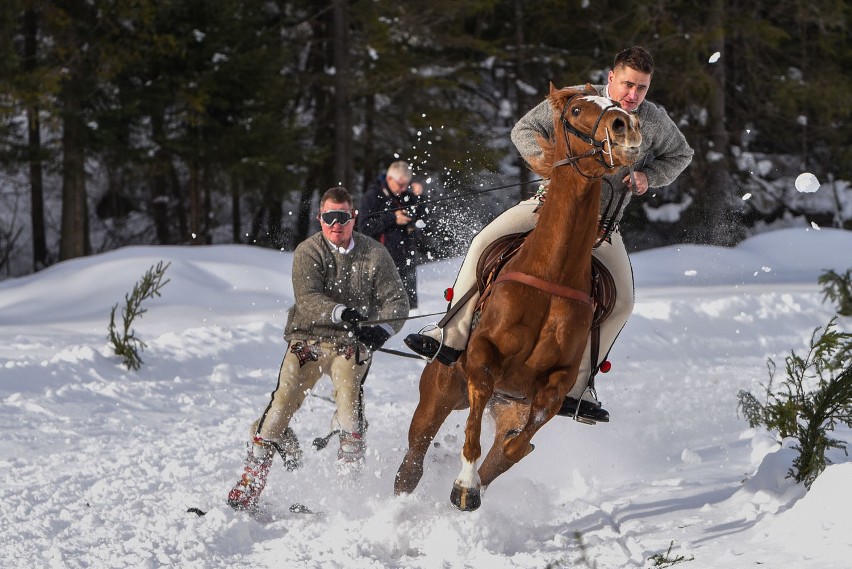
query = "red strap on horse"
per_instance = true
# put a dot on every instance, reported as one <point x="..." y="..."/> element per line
<point x="546" y="286"/>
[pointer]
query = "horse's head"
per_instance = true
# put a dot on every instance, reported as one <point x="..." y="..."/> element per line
<point x="590" y="131"/>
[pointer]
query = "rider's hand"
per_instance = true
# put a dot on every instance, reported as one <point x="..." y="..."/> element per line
<point x="641" y="183"/>
<point x="352" y="316"/>
<point x="374" y="337"/>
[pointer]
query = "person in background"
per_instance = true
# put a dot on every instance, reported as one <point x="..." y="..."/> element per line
<point x="664" y="155"/>
<point x="342" y="280"/>
<point x="392" y="213"/>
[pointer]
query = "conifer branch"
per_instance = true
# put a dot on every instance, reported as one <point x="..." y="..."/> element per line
<point x="126" y="344"/>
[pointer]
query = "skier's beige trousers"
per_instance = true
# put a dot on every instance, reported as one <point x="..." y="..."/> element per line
<point x="295" y="380"/>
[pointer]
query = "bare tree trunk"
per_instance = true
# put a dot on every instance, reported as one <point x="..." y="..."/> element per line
<point x="712" y="219"/>
<point x="236" y="224"/>
<point x="342" y="112"/>
<point x="722" y="224"/>
<point x="370" y="158"/>
<point x="303" y="222"/>
<point x="319" y="175"/>
<point x="206" y="205"/>
<point x="178" y="202"/>
<point x="275" y="215"/>
<point x="160" y="182"/>
<point x="40" y="254"/>
<point x="522" y="101"/>
<point x="194" y="185"/>
<point x="75" y="238"/>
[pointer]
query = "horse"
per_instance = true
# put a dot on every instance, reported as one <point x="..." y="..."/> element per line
<point x="524" y="353"/>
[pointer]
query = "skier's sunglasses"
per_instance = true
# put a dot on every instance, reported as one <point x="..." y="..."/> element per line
<point x="333" y="216"/>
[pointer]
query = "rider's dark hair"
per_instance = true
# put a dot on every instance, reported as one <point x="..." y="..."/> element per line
<point x="337" y="194"/>
<point x="636" y="57"/>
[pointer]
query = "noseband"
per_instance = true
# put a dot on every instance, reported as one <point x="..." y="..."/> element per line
<point x="601" y="148"/>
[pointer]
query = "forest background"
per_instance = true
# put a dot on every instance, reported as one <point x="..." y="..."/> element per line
<point x="221" y="121"/>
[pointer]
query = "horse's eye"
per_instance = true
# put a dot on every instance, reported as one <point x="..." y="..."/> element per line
<point x="575" y="111"/>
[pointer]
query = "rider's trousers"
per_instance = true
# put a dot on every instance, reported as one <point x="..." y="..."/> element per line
<point x="518" y="219"/>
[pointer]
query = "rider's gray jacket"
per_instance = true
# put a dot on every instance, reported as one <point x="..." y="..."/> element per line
<point x="664" y="153"/>
<point x="324" y="277"/>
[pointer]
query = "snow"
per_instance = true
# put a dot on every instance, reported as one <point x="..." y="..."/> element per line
<point x="101" y="464"/>
<point x="807" y="183"/>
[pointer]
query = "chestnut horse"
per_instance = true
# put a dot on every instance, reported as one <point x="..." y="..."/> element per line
<point x="523" y="356"/>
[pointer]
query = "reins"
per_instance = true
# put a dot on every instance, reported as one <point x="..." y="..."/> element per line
<point x="607" y="223"/>
<point x="602" y="147"/>
<point x="398" y="319"/>
<point x="453" y="197"/>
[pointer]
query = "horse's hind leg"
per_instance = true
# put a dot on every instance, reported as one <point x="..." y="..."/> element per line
<point x="544" y="406"/>
<point x="509" y="418"/>
<point x="442" y="390"/>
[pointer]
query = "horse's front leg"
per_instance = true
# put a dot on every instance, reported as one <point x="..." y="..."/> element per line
<point x="442" y="390"/>
<point x="480" y="386"/>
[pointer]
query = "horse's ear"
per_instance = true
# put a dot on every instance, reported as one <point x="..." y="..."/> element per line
<point x="590" y="90"/>
<point x="553" y="88"/>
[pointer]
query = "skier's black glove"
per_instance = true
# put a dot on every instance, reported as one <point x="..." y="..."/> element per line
<point x="352" y="316"/>
<point x="374" y="337"/>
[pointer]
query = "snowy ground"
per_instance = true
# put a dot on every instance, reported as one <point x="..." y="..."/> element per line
<point x="100" y="464"/>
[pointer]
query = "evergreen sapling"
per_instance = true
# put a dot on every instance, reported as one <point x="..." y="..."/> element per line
<point x="126" y="344"/>
<point x="838" y="288"/>
<point x="810" y="402"/>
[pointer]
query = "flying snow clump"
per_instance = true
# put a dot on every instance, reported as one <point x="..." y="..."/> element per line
<point x="807" y="183"/>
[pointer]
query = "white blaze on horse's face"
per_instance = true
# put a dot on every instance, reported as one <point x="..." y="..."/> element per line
<point x="603" y="102"/>
<point x="625" y="137"/>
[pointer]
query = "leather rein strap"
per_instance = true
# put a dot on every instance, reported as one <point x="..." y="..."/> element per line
<point x="547" y="286"/>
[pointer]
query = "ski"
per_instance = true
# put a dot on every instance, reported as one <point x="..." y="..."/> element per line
<point x="268" y="515"/>
<point x="302" y="509"/>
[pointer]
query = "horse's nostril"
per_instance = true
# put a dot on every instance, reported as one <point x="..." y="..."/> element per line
<point x="619" y="126"/>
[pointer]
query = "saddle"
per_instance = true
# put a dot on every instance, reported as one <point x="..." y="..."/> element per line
<point x="501" y="250"/>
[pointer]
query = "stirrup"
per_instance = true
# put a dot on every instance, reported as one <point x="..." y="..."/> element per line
<point x="429" y="327"/>
<point x="588" y="418"/>
<point x="577" y="417"/>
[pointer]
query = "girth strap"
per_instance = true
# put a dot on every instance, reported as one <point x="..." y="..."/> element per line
<point x="546" y="286"/>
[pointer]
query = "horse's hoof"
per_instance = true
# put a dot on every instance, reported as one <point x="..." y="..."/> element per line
<point x="465" y="499"/>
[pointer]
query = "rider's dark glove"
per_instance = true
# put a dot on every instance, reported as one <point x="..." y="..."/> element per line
<point x="374" y="337"/>
<point x="352" y="316"/>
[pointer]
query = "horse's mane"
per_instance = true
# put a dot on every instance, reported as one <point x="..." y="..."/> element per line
<point x="543" y="164"/>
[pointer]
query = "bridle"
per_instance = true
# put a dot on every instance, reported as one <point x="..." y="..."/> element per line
<point x="601" y="149"/>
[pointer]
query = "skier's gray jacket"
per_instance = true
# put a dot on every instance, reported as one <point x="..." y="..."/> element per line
<point x="365" y="279"/>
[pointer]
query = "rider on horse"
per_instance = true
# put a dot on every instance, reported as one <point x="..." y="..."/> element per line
<point x="664" y="154"/>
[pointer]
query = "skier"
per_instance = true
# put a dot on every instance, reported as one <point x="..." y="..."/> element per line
<point x="341" y="279"/>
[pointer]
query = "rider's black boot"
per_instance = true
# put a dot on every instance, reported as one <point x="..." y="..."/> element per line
<point x="588" y="412"/>
<point x="430" y="348"/>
